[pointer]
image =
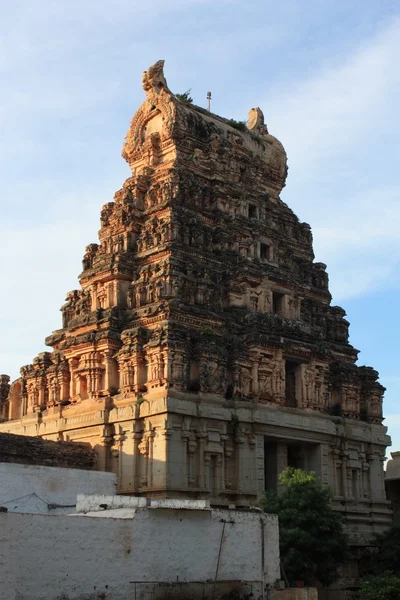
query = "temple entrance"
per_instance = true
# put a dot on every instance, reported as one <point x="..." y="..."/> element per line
<point x="279" y="454"/>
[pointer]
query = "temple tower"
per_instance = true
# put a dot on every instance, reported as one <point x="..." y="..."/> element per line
<point x="201" y="354"/>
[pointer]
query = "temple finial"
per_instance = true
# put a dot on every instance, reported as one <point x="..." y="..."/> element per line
<point x="153" y="79"/>
<point x="256" y="121"/>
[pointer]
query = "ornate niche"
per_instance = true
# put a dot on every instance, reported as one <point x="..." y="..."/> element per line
<point x="315" y="387"/>
<point x="88" y="375"/>
<point x="156" y="361"/>
<point x="16" y="400"/>
<point x="243" y="383"/>
<point x="152" y="124"/>
<point x="213" y="377"/>
<point x="371" y="395"/>
<point x="346" y="389"/>
<point x="132" y="363"/>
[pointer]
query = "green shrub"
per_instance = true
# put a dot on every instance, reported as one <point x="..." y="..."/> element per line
<point x="385" y="586"/>
<point x="240" y="125"/>
<point x="312" y="542"/>
<point x="185" y="97"/>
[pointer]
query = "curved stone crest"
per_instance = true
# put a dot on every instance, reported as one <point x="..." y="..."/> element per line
<point x="159" y="100"/>
<point x="256" y="121"/>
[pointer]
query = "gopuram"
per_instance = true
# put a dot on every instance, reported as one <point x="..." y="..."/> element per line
<point x="201" y="354"/>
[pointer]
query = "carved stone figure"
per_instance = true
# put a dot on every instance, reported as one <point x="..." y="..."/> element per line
<point x="202" y="341"/>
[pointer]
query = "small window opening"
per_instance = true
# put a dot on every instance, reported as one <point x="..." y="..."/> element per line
<point x="252" y="211"/>
<point x="278" y="303"/>
<point x="291" y="383"/>
<point x="265" y="251"/>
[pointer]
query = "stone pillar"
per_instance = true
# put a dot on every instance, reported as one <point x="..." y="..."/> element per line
<point x="336" y="471"/>
<point x="108" y="374"/>
<point x="136" y="466"/>
<point x="116" y="454"/>
<point x="246" y="464"/>
<point x="4" y="391"/>
<point x="260" y="471"/>
<point x="201" y="437"/>
<point x="93" y="296"/>
<point x="150" y="434"/>
<point x="73" y="378"/>
<point x="185" y="436"/>
<point x="104" y="451"/>
<point x="345" y="480"/>
<point x="281" y="460"/>
<point x="377" y="483"/>
<point x="365" y="484"/>
<point x="318" y="461"/>
<point x="162" y="473"/>
<point x="254" y="374"/>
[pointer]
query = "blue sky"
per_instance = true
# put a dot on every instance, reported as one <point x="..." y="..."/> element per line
<point x="326" y="76"/>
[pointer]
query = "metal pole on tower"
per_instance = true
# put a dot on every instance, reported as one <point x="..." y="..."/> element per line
<point x="209" y="101"/>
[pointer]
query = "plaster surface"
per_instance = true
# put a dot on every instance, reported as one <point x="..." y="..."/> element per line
<point x="109" y="558"/>
<point x="32" y="488"/>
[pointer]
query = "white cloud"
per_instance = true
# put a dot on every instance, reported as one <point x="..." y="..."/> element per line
<point x="323" y="122"/>
<point x="40" y="264"/>
<point x="341" y="104"/>
<point x="340" y="129"/>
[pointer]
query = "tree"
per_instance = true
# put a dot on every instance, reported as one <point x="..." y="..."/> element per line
<point x="313" y="545"/>
<point x="380" y="587"/>
<point x="384" y="555"/>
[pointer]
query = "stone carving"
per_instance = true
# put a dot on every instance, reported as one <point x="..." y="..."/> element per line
<point x="256" y="121"/>
<point x="153" y="79"/>
<point x="202" y="332"/>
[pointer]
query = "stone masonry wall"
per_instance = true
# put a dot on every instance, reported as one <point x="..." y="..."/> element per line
<point x="36" y="451"/>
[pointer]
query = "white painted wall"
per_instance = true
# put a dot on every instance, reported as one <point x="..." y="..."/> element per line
<point x="30" y="488"/>
<point x="84" y="558"/>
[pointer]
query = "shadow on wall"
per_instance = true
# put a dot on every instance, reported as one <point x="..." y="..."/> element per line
<point x="143" y="470"/>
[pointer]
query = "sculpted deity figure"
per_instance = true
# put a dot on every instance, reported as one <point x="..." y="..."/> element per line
<point x="375" y="404"/>
<point x="245" y="380"/>
<point x="278" y="377"/>
<point x="177" y="367"/>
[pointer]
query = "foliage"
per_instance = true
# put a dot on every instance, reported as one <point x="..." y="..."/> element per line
<point x="385" y="555"/>
<point x="385" y="586"/>
<point x="258" y="140"/>
<point x="185" y="97"/>
<point x="313" y="545"/>
<point x="240" y="125"/>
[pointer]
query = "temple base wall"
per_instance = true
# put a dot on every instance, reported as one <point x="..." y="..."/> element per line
<point x="186" y="446"/>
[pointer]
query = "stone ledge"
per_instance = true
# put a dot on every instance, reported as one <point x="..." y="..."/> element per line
<point x="294" y="594"/>
<point x="96" y="503"/>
